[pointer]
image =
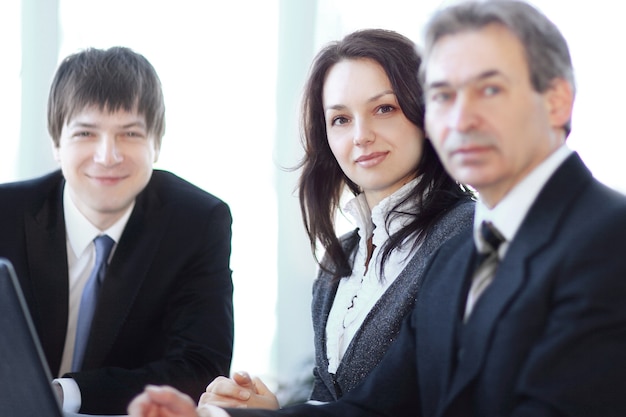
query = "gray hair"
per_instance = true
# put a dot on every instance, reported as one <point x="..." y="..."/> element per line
<point x="546" y="50"/>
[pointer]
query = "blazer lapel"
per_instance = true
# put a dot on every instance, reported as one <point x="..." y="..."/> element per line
<point x="127" y="272"/>
<point x="438" y="312"/>
<point x="350" y="246"/>
<point x="48" y="275"/>
<point x="322" y="354"/>
<point x="537" y="231"/>
<point x="477" y="331"/>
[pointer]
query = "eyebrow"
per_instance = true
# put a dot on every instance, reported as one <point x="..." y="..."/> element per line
<point x="370" y="100"/>
<point x="480" y="77"/>
<point x="138" y="123"/>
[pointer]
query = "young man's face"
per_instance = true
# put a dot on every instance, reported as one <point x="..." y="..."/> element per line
<point x="106" y="159"/>
<point x="487" y="123"/>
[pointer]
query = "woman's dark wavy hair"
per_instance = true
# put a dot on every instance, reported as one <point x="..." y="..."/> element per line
<point x="322" y="181"/>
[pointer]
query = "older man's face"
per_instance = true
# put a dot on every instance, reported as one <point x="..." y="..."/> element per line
<point x="487" y="123"/>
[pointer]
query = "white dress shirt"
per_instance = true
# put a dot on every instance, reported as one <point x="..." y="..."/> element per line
<point x="81" y="256"/>
<point x="508" y="215"/>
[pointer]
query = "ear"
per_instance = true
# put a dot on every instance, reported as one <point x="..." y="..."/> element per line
<point x="56" y="152"/>
<point x="157" y="151"/>
<point x="560" y="102"/>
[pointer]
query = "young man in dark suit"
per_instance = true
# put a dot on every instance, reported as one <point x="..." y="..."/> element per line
<point x="539" y="329"/>
<point x="162" y="310"/>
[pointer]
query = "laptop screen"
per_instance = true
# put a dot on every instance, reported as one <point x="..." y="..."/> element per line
<point x="25" y="380"/>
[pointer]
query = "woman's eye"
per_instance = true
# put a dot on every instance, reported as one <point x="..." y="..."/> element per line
<point x="340" y="120"/>
<point x="386" y="109"/>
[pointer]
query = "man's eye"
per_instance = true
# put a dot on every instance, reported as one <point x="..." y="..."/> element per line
<point x="491" y="90"/>
<point x="440" y="97"/>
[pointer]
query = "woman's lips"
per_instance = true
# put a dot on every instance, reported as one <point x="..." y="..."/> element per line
<point x="371" y="159"/>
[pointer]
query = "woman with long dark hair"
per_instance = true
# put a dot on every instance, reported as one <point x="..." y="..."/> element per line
<point x="363" y="131"/>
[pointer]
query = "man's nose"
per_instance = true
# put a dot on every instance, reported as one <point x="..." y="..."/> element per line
<point x="108" y="151"/>
<point x="463" y="115"/>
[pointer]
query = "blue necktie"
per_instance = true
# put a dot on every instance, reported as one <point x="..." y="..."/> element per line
<point x="89" y="299"/>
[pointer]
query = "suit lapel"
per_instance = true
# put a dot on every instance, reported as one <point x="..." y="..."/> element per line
<point x="127" y="272"/>
<point x="48" y="273"/>
<point x="477" y="332"/>
<point x="460" y="268"/>
<point x="438" y="311"/>
<point x="536" y="231"/>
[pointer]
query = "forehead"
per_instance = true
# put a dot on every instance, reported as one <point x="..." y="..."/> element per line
<point x="95" y="115"/>
<point x="462" y="57"/>
<point x="354" y="79"/>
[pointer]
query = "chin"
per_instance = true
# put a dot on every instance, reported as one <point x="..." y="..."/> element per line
<point x="110" y="206"/>
<point x="468" y="174"/>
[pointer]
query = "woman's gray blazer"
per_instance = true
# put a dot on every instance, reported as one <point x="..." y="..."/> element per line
<point x="382" y="324"/>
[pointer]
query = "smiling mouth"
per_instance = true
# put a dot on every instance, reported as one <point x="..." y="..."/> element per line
<point x="106" y="179"/>
<point x="371" y="159"/>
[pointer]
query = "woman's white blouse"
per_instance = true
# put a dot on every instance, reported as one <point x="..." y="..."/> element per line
<point x="357" y="294"/>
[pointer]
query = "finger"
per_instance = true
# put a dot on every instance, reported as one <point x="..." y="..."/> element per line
<point x="141" y="406"/>
<point x="227" y="388"/>
<point x="242" y="378"/>
<point x="221" y="401"/>
<point x="137" y="406"/>
<point x="260" y="386"/>
<point x="265" y="398"/>
<point x="170" y="399"/>
<point x="220" y="381"/>
<point x="211" y="411"/>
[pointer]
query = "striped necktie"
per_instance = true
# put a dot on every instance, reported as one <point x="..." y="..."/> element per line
<point x="487" y="265"/>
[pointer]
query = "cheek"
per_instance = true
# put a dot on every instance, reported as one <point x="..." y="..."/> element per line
<point x="338" y="148"/>
<point x="139" y="153"/>
<point x="70" y="156"/>
<point x="151" y="156"/>
<point x="433" y="132"/>
<point x="431" y="123"/>
<point x="415" y="149"/>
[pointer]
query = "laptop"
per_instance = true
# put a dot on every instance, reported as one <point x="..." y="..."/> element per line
<point x="25" y="380"/>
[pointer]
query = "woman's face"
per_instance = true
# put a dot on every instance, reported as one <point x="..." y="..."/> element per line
<point x="375" y="144"/>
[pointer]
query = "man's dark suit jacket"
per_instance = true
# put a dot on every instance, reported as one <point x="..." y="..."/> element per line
<point x="165" y="310"/>
<point x="547" y="337"/>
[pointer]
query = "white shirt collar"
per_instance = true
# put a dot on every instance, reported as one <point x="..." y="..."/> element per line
<point x="367" y="220"/>
<point x="81" y="232"/>
<point x="508" y="215"/>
